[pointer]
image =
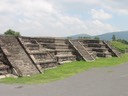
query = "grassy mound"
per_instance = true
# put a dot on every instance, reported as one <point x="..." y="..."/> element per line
<point x="120" y="46"/>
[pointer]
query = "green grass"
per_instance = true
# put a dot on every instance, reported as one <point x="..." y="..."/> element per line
<point x="120" y="46"/>
<point x="66" y="70"/>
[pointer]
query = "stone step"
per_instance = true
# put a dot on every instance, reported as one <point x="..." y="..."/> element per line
<point x="3" y="68"/>
<point x="44" y="61"/>
<point x="113" y="51"/>
<point x="17" y="56"/>
<point x="81" y="50"/>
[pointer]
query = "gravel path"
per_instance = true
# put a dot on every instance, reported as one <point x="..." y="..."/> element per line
<point x="109" y="81"/>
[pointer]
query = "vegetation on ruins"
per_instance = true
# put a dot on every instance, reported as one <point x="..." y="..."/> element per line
<point x="82" y="37"/>
<point x="122" y="41"/>
<point x="11" y="32"/>
<point x="120" y="46"/>
<point x="97" y="38"/>
<point x="67" y="70"/>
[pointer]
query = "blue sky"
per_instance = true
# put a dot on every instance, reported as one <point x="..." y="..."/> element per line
<point x="63" y="17"/>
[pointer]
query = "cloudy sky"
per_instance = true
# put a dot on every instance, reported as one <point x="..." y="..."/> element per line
<point x="63" y="17"/>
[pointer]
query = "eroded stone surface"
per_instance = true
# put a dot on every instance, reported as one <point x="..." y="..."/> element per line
<point x="25" y="56"/>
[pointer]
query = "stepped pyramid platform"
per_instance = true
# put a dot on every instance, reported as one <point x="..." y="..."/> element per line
<point x="4" y="69"/>
<point x="97" y="47"/>
<point x="26" y="56"/>
<point x="83" y="52"/>
<point x="38" y="52"/>
<point x="63" y="51"/>
<point x="16" y="57"/>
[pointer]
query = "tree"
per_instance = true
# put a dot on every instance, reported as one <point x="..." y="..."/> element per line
<point x="80" y="37"/>
<point x="113" y="38"/>
<point x="86" y="37"/>
<point x="69" y="37"/>
<point x="97" y="38"/>
<point x="12" y="33"/>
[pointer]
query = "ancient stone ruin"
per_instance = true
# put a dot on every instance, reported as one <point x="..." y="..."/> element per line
<point x="25" y="56"/>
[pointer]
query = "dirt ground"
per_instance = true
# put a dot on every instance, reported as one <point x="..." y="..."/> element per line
<point x="109" y="81"/>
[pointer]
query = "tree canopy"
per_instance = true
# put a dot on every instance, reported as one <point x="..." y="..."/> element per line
<point x="113" y="38"/>
<point x="12" y="33"/>
<point x="97" y="38"/>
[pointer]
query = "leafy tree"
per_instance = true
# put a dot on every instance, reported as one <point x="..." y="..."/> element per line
<point x="97" y="38"/>
<point x="69" y="37"/>
<point x="86" y="37"/>
<point x="12" y="33"/>
<point x="113" y="38"/>
<point x="80" y="37"/>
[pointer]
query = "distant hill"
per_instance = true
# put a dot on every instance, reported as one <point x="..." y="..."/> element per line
<point x="107" y="36"/>
<point x="79" y="35"/>
<point x="118" y="35"/>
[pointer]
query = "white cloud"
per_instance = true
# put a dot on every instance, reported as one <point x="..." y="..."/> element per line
<point x="116" y="6"/>
<point x="98" y="27"/>
<point x="43" y="18"/>
<point x="38" y="17"/>
<point x="100" y="14"/>
<point x="98" y="23"/>
<point x="26" y="16"/>
<point x="82" y="1"/>
<point x="123" y="11"/>
<point x="117" y="10"/>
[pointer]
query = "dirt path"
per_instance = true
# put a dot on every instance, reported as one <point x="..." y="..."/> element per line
<point x="110" y="81"/>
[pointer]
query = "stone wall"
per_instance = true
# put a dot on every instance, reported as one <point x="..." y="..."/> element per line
<point x="26" y="56"/>
<point x="97" y="48"/>
<point x="17" y="57"/>
<point x="39" y="51"/>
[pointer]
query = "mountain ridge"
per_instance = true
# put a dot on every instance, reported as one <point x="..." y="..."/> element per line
<point x="106" y="36"/>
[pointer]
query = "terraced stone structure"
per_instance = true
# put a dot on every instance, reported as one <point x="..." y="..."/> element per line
<point x="25" y="56"/>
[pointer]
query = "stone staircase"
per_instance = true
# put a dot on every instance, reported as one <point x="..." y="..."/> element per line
<point x="41" y="56"/>
<point x="3" y="68"/>
<point x="96" y="48"/>
<point x="63" y="51"/>
<point x="25" y="56"/>
<point x="17" y="57"/>
<point x="111" y="49"/>
<point x="81" y="50"/>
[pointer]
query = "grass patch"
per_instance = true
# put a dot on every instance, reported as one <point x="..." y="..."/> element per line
<point x="120" y="46"/>
<point x="66" y="70"/>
